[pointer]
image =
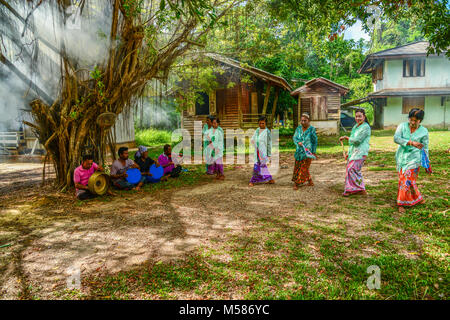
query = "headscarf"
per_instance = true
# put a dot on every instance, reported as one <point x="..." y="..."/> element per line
<point x="140" y="151"/>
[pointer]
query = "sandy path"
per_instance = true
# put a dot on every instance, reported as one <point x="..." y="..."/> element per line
<point x="117" y="235"/>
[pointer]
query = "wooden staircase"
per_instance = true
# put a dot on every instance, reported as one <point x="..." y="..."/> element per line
<point x="231" y="121"/>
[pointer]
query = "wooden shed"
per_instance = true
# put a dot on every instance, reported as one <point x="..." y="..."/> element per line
<point x="321" y="99"/>
<point x="239" y="106"/>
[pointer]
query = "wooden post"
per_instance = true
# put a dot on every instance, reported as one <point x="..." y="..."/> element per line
<point x="254" y="100"/>
<point x="274" y="107"/>
<point x="239" y="102"/>
<point x="212" y="102"/>
<point x="298" y="112"/>
<point x="266" y="99"/>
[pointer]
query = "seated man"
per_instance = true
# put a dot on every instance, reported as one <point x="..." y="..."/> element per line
<point x="81" y="177"/>
<point x="144" y="161"/>
<point x="165" y="160"/>
<point x="119" y="171"/>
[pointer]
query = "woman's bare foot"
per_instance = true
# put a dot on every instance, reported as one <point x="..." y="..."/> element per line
<point x="363" y="193"/>
<point x="422" y="202"/>
<point x="271" y="182"/>
<point x="110" y="193"/>
<point x="250" y="184"/>
<point x="295" y="187"/>
<point x="311" y="183"/>
<point x="345" y="194"/>
<point x="401" y="209"/>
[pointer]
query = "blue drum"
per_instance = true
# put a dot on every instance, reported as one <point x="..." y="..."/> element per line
<point x="134" y="176"/>
<point x="156" y="173"/>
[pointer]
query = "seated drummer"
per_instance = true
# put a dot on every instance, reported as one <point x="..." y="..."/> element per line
<point x="119" y="172"/>
<point x="165" y="160"/>
<point x="81" y="177"/>
<point x="144" y="161"/>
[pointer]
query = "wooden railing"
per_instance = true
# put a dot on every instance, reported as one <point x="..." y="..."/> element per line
<point x="251" y="120"/>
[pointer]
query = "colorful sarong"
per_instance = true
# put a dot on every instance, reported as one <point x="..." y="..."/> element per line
<point x="301" y="171"/>
<point x="408" y="193"/>
<point x="260" y="173"/>
<point x="354" y="181"/>
<point x="216" y="167"/>
<point x="211" y="168"/>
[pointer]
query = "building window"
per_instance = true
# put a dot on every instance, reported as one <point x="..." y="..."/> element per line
<point x="202" y="104"/>
<point x="412" y="102"/>
<point x="377" y="73"/>
<point x="414" y="67"/>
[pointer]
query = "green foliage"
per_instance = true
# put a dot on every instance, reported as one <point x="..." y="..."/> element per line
<point x="152" y="137"/>
<point x="392" y="33"/>
<point x="330" y="17"/>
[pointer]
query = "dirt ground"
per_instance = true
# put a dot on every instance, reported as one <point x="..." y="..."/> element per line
<point x="50" y="234"/>
<point x="17" y="175"/>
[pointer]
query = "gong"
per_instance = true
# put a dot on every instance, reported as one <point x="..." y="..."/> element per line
<point x="98" y="183"/>
<point x="106" y="120"/>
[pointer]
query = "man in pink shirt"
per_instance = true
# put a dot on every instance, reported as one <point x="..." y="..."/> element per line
<point x="81" y="177"/>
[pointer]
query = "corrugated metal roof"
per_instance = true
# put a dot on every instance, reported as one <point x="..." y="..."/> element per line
<point x="281" y="82"/>
<point x="441" y="91"/>
<point x="325" y="81"/>
<point x="419" y="47"/>
<point x="413" y="49"/>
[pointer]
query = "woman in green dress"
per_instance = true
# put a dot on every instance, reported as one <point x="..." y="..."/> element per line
<point x="262" y="141"/>
<point x="206" y="127"/>
<point x="357" y="154"/>
<point x="412" y="152"/>
<point x="305" y="140"/>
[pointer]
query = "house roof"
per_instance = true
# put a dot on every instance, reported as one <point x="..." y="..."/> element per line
<point x="413" y="92"/>
<point x="414" y="49"/>
<point x="261" y="74"/>
<point x="441" y="91"/>
<point x="340" y="88"/>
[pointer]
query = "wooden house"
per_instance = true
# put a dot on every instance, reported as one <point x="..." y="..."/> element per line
<point x="241" y="105"/>
<point x="321" y="99"/>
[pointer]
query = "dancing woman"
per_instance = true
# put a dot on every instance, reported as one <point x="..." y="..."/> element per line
<point x="262" y="140"/>
<point x="357" y="154"/>
<point x="206" y="127"/>
<point x="214" y="152"/>
<point x="305" y="139"/>
<point x="412" y="152"/>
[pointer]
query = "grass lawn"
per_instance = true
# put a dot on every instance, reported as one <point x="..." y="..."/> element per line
<point x="313" y="253"/>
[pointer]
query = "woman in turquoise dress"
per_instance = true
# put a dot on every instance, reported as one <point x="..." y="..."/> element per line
<point x="305" y="140"/>
<point x="262" y="141"/>
<point x="412" y="153"/>
<point x="206" y="127"/>
<point x="357" y="154"/>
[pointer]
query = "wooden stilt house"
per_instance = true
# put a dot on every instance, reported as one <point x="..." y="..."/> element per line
<point x="241" y="105"/>
<point x="321" y="99"/>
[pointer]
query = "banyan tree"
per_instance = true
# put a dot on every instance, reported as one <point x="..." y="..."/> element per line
<point x="92" y="60"/>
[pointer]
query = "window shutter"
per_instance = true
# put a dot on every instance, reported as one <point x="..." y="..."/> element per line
<point x="323" y="109"/>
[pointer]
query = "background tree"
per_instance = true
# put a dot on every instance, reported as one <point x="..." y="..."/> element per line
<point x="145" y="38"/>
